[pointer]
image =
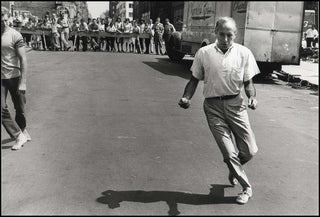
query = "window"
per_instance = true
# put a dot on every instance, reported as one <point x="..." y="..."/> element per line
<point x="130" y="5"/>
<point x="130" y="14"/>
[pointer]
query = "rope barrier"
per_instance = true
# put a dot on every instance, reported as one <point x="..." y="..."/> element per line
<point x="80" y="34"/>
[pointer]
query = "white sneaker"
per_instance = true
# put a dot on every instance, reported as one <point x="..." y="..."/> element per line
<point x="19" y="142"/>
<point x="25" y="132"/>
<point x="244" y="196"/>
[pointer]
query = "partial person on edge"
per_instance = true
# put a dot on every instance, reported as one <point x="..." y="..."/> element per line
<point x="14" y="81"/>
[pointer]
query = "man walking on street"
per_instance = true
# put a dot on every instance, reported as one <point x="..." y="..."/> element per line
<point x="226" y="67"/>
<point x="13" y="79"/>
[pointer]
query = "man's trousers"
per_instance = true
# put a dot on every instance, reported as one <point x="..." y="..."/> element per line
<point x="13" y="127"/>
<point x="227" y="117"/>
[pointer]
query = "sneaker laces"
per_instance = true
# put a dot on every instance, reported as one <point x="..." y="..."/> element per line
<point x="245" y="192"/>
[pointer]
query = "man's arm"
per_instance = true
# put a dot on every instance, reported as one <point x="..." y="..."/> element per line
<point x="23" y="68"/>
<point x="188" y="92"/>
<point x="191" y="87"/>
<point x="316" y="34"/>
<point x="173" y="29"/>
<point x="251" y="94"/>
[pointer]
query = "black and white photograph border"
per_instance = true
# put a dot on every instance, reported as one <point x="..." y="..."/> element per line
<point x="159" y="108"/>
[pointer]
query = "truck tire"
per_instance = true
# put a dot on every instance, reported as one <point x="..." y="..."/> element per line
<point x="171" y="46"/>
<point x="266" y="69"/>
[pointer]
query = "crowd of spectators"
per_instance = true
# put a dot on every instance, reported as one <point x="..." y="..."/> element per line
<point x="60" y="26"/>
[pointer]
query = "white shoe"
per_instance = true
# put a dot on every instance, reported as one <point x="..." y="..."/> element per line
<point x="19" y="142"/>
<point x="25" y="132"/>
<point x="244" y="196"/>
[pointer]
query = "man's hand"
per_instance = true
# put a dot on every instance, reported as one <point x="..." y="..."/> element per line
<point x="252" y="103"/>
<point x="184" y="103"/>
<point x="22" y="87"/>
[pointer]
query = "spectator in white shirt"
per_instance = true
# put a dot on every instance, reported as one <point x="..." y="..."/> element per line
<point x="119" y="40"/>
<point x="135" y="38"/>
<point x="110" y="28"/>
<point x="55" y="33"/>
<point x="141" y="40"/>
<point x="84" y="28"/>
<point x="102" y="28"/>
<point x="311" y="36"/>
<point x="127" y="28"/>
<point x="64" y="22"/>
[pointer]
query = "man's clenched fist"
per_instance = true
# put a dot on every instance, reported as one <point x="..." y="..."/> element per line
<point x="184" y="103"/>
<point x="252" y="103"/>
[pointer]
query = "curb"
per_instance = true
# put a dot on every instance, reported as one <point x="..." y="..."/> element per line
<point x="297" y="82"/>
<point x="28" y="50"/>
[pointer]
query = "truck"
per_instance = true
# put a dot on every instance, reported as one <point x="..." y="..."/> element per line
<point x="273" y="31"/>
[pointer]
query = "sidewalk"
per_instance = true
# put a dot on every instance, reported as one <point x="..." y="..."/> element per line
<point x="305" y="71"/>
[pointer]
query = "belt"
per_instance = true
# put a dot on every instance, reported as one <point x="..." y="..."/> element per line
<point x="224" y="97"/>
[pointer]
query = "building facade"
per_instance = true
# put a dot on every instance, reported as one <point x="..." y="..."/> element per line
<point x="40" y="8"/>
<point x="163" y="9"/>
<point x="125" y="10"/>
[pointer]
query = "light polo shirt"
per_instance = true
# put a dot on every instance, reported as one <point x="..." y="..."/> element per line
<point x="11" y="39"/>
<point x="312" y="33"/>
<point x="224" y="74"/>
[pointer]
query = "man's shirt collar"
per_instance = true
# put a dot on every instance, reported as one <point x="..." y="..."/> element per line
<point x="219" y="50"/>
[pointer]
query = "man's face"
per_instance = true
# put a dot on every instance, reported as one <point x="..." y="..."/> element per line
<point x="4" y="22"/>
<point x="158" y="20"/>
<point x="225" y="36"/>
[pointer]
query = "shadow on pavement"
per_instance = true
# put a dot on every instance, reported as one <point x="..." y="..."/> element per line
<point x="172" y="68"/>
<point x="258" y="80"/>
<point x="216" y="196"/>
<point x="5" y="141"/>
<point x="315" y="93"/>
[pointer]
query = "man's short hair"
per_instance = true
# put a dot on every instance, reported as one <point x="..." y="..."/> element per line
<point x="222" y="20"/>
<point x="4" y="11"/>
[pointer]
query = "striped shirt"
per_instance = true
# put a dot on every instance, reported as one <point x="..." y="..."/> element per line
<point x="11" y="39"/>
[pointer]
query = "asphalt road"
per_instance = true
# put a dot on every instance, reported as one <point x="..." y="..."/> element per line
<point x="108" y="138"/>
